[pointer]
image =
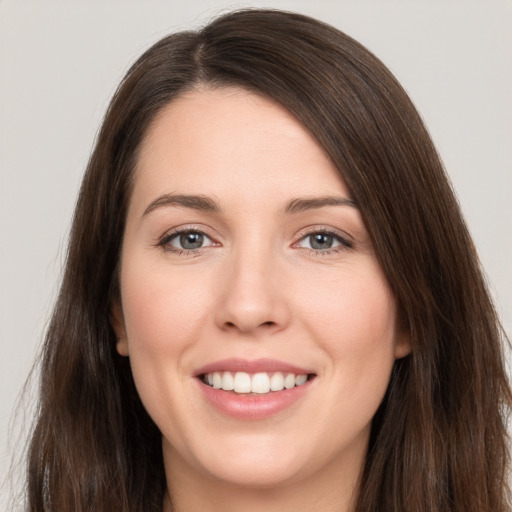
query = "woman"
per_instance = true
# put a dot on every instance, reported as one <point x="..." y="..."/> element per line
<point x="270" y="298"/>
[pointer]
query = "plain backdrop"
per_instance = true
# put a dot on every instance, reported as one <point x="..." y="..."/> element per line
<point x="61" y="61"/>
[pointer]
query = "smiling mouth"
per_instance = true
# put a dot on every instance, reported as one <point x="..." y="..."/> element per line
<point x="244" y="383"/>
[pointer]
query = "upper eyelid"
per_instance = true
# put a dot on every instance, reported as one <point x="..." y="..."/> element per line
<point x="176" y="234"/>
<point x="302" y="233"/>
<point x="187" y="228"/>
<point x="324" y="229"/>
<point x="346" y="242"/>
<point x="169" y="235"/>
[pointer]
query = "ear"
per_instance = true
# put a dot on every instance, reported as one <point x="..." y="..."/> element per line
<point x="402" y="343"/>
<point x="117" y="322"/>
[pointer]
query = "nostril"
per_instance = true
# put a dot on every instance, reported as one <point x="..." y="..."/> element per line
<point x="264" y="324"/>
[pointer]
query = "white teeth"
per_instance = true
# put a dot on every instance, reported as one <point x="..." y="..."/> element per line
<point x="217" y="380"/>
<point x="242" y="382"/>
<point x="300" y="379"/>
<point x="228" y="383"/>
<point x="277" y="382"/>
<point x="261" y="383"/>
<point x="289" y="381"/>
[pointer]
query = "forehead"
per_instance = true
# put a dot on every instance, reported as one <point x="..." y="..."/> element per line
<point x="224" y="140"/>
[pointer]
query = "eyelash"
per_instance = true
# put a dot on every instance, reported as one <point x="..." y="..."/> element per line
<point x="344" y="243"/>
<point x="165" y="241"/>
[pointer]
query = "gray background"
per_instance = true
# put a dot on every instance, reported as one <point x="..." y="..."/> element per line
<point x="60" y="62"/>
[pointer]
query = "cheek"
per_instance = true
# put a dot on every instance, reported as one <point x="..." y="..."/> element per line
<point x="352" y="316"/>
<point x="352" y="305"/>
<point x="162" y="310"/>
<point x="354" y="325"/>
<point x="164" y="313"/>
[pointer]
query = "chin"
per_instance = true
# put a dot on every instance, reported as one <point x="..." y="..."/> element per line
<point x="257" y="462"/>
<point x="255" y="473"/>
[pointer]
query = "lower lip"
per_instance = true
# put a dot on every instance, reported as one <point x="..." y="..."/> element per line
<point x="253" y="407"/>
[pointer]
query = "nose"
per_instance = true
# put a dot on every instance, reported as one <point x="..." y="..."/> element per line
<point x="252" y="297"/>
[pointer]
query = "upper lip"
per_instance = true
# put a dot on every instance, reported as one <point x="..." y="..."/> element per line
<point x="251" y="366"/>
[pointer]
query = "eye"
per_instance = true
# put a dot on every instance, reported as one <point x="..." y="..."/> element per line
<point x="323" y="241"/>
<point x="187" y="240"/>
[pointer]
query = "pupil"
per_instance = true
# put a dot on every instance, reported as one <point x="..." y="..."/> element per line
<point x="321" y="241"/>
<point x="191" y="240"/>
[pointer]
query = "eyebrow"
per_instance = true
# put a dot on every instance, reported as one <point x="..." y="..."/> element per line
<point x="301" y="205"/>
<point x="206" y="204"/>
<point x="198" y="202"/>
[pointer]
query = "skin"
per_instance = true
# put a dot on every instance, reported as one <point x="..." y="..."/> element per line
<point x="256" y="289"/>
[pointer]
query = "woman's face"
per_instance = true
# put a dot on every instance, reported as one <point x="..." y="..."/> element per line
<point x="246" y="263"/>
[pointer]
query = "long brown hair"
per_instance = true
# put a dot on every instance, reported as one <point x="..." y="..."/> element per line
<point x="438" y="441"/>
